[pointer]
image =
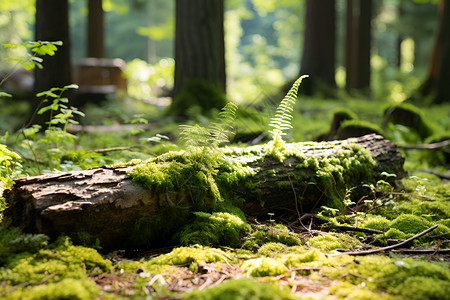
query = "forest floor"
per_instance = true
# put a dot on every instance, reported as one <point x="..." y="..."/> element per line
<point x="283" y="256"/>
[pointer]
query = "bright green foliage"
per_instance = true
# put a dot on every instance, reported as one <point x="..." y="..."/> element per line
<point x="31" y="61"/>
<point x="68" y="288"/>
<point x="49" y="148"/>
<point x="218" y="228"/>
<point x="9" y="161"/>
<point x="241" y="289"/>
<point x="263" y="266"/>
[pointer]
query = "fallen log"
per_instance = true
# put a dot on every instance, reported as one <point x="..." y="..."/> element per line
<point x="105" y="203"/>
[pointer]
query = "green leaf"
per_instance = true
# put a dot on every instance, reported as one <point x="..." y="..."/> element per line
<point x="3" y="94"/>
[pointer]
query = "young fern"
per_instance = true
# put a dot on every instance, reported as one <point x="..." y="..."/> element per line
<point x="283" y="117"/>
<point x="213" y="136"/>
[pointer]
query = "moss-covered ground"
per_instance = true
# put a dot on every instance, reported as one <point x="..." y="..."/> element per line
<point x="221" y="254"/>
<point x="240" y="259"/>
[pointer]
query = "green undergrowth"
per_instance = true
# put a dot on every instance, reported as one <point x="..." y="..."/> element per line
<point x="34" y="270"/>
<point x="421" y="204"/>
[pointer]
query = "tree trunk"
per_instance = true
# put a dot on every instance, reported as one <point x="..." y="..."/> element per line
<point x="358" y="40"/>
<point x="318" y="58"/>
<point x="437" y="83"/>
<point x="103" y="202"/>
<point x="95" y="30"/>
<point x="199" y="55"/>
<point x="52" y="24"/>
<point x="442" y="86"/>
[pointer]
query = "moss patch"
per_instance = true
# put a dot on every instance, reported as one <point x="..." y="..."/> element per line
<point x="263" y="266"/>
<point x="61" y="259"/>
<point x="218" y="228"/>
<point x="242" y="289"/>
<point x="276" y="233"/>
<point x="69" y="288"/>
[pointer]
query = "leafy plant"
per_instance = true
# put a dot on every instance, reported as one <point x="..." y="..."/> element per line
<point x="55" y="135"/>
<point x="29" y="60"/>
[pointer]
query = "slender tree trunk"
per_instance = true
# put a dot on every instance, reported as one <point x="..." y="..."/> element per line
<point x="95" y="30"/>
<point x="318" y="59"/>
<point x="437" y="83"/>
<point x="52" y="24"/>
<point x="358" y="44"/>
<point x="442" y="86"/>
<point x="199" y="48"/>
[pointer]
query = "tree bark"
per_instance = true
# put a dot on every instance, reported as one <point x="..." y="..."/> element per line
<point x="52" y="24"/>
<point x="199" y="50"/>
<point x="95" y="30"/>
<point x="437" y="83"/>
<point x="318" y="58"/>
<point x="104" y="203"/>
<point x="442" y="86"/>
<point x="358" y="41"/>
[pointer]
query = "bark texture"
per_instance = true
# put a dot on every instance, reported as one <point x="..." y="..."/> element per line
<point x="318" y="58"/>
<point x="358" y="44"/>
<point x="52" y="24"/>
<point x="199" y="43"/>
<point x="103" y="202"/>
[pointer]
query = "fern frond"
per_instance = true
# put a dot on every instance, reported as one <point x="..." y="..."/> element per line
<point x="283" y="114"/>
<point x="221" y="130"/>
<point x="217" y="133"/>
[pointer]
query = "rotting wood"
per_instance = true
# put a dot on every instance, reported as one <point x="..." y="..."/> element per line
<point x="104" y="203"/>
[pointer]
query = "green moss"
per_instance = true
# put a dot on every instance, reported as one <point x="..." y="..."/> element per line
<point x="421" y="287"/>
<point x="183" y="255"/>
<point x="61" y="259"/>
<point x="69" y="288"/>
<point x="373" y="222"/>
<point x="263" y="266"/>
<point x="328" y="242"/>
<point x="269" y="249"/>
<point x="312" y="257"/>
<point x="395" y="276"/>
<point x="276" y="233"/>
<point x="346" y="290"/>
<point x="241" y="289"/>
<point x="410" y="223"/>
<point x="214" y="229"/>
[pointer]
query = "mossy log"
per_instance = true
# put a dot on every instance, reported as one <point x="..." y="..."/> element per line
<point x="103" y="203"/>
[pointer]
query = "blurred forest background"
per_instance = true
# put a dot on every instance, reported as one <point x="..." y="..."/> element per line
<point x="184" y="59"/>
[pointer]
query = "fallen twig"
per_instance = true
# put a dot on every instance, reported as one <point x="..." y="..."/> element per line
<point x="388" y="248"/>
<point x="427" y="146"/>
<point x="440" y="175"/>
<point x="358" y="229"/>
<point x="423" y="251"/>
